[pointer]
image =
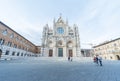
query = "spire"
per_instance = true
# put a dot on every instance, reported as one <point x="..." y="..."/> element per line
<point x="60" y="20"/>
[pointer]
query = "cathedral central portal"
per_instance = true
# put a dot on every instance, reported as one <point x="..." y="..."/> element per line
<point x="60" y="52"/>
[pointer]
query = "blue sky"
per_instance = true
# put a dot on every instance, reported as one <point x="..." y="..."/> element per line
<point x="98" y="20"/>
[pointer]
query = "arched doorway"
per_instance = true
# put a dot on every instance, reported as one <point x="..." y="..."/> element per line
<point x="83" y="53"/>
<point x="70" y="53"/>
<point x="60" y="52"/>
<point x="118" y="57"/>
<point x="0" y="53"/>
<point x="50" y="53"/>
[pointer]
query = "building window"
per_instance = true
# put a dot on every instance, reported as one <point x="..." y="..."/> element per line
<point x="70" y="33"/>
<point x="21" y="40"/>
<point x="21" y="54"/>
<point x="17" y="38"/>
<point x="7" y="53"/>
<point x="50" y="33"/>
<point x="2" y="41"/>
<point x="12" y="35"/>
<point x="60" y="30"/>
<point x="13" y="53"/>
<point x="9" y="44"/>
<point x="18" y="54"/>
<point x="4" y="32"/>
<point x="15" y="46"/>
<point x="25" y="54"/>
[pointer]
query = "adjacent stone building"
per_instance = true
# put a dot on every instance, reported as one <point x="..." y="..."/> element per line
<point x="61" y="40"/>
<point x="86" y="52"/>
<point x="13" y="44"/>
<point x="109" y="49"/>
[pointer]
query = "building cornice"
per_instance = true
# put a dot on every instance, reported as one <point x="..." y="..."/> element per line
<point x="106" y="42"/>
<point x="16" y="32"/>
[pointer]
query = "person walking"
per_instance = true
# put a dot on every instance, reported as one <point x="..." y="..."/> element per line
<point x="97" y="59"/>
<point x="100" y="60"/>
<point x="68" y="58"/>
<point x="94" y="59"/>
<point x="71" y="58"/>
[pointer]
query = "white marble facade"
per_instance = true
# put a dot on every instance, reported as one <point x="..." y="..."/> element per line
<point x="61" y="40"/>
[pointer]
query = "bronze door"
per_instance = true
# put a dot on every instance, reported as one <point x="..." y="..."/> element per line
<point x="50" y="53"/>
<point x="60" y="52"/>
<point x="70" y="53"/>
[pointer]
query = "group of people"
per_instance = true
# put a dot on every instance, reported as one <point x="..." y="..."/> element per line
<point x="98" y="60"/>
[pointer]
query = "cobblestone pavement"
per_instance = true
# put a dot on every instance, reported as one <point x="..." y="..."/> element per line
<point x="45" y="69"/>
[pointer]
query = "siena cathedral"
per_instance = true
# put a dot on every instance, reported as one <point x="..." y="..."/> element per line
<point x="61" y="40"/>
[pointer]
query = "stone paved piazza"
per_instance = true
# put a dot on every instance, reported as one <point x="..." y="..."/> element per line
<point x="53" y="69"/>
